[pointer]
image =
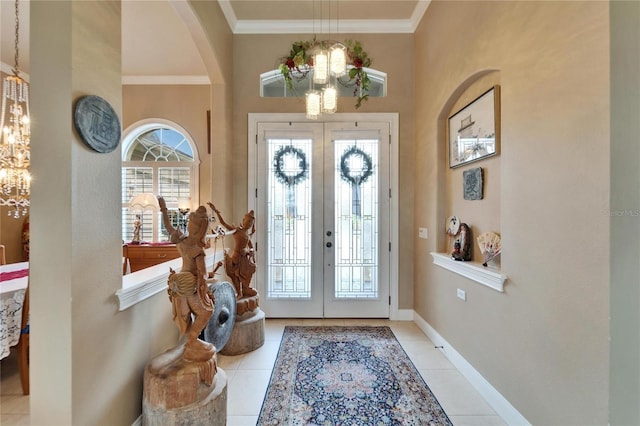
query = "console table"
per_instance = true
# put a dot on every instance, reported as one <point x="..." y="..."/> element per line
<point x="141" y="256"/>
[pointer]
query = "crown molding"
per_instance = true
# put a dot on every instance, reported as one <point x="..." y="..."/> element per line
<point x="229" y="14"/>
<point x="418" y="13"/>
<point x="165" y="80"/>
<point x="353" y="26"/>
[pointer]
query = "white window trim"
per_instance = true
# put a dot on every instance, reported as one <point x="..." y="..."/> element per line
<point x="134" y="130"/>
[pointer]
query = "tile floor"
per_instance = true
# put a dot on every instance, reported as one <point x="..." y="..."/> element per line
<point x="249" y="374"/>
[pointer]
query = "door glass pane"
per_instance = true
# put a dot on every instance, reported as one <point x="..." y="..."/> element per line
<point x="289" y="216"/>
<point x="356" y="218"/>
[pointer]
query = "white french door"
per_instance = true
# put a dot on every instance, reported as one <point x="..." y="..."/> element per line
<point x="322" y="219"/>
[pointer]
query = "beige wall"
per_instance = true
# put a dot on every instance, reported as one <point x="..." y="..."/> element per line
<point x="543" y="342"/>
<point x="87" y="358"/>
<point x="184" y="105"/>
<point x="255" y="54"/>
<point x="218" y="58"/>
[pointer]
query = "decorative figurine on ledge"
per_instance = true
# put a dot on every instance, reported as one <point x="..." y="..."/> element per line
<point x="463" y="243"/>
<point x="137" y="226"/>
<point x="490" y="245"/>
<point x="462" y="234"/>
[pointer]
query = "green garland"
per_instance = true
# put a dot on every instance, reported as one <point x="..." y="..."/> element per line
<point x="278" y="163"/>
<point x="345" y="171"/>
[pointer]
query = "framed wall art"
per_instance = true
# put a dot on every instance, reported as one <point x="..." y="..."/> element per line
<point x="474" y="131"/>
<point x="472" y="184"/>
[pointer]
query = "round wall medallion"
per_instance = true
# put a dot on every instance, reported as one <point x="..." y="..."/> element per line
<point x="97" y="123"/>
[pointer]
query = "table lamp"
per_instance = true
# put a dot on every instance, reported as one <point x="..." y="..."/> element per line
<point x="145" y="201"/>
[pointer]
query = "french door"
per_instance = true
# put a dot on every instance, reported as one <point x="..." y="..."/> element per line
<point x="322" y="208"/>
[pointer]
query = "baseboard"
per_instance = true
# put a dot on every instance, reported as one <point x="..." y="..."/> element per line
<point x="402" y="315"/>
<point x="499" y="403"/>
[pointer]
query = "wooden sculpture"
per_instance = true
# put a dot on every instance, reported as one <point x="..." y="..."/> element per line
<point x="188" y="290"/>
<point x="240" y="264"/>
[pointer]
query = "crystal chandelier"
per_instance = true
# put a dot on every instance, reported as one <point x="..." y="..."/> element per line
<point x="15" y="179"/>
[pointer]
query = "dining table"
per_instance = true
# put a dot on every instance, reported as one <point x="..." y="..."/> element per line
<point x="14" y="278"/>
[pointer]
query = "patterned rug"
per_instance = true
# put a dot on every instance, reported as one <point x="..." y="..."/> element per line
<point x="346" y="376"/>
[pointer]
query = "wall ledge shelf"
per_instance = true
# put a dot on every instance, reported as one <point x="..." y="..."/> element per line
<point x="141" y="285"/>
<point x="488" y="276"/>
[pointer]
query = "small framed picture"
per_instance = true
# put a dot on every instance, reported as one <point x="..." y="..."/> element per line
<point x="472" y="184"/>
<point x="474" y="131"/>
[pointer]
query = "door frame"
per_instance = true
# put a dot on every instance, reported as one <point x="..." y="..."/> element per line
<point x="393" y="120"/>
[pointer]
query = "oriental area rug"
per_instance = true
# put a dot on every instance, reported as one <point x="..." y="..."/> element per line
<point x="346" y="376"/>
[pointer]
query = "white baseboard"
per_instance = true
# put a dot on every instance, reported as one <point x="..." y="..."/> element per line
<point x="402" y="315"/>
<point x="499" y="403"/>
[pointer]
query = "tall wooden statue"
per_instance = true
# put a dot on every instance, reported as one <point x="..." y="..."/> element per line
<point x="240" y="266"/>
<point x="184" y="385"/>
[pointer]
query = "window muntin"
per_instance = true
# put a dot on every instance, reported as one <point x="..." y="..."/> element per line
<point x="161" y="158"/>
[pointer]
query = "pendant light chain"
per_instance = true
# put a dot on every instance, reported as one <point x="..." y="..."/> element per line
<point x="17" y="39"/>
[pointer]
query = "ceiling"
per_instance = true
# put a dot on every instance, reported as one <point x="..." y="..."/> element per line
<point x="153" y="33"/>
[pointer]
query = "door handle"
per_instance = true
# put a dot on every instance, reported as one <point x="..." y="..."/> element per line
<point x="329" y="244"/>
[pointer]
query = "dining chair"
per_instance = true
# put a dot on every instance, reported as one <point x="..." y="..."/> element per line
<point x="22" y="347"/>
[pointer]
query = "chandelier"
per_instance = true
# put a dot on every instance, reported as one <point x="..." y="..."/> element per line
<point x="15" y="179"/>
<point x="330" y="63"/>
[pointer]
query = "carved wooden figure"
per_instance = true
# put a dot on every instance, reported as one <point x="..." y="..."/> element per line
<point x="188" y="290"/>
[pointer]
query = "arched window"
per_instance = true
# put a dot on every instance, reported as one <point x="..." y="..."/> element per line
<point x="158" y="157"/>
<point x="272" y="84"/>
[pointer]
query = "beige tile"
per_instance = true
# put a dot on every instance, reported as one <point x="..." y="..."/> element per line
<point x="246" y="391"/>
<point x="477" y="421"/>
<point x="230" y="363"/>
<point x="14" y="404"/>
<point x="407" y="331"/>
<point x="455" y="393"/>
<point x="323" y="322"/>
<point x="262" y="358"/>
<point x="274" y="328"/>
<point x="425" y="356"/>
<point x="14" y="419"/>
<point x="242" y="420"/>
<point x="371" y="322"/>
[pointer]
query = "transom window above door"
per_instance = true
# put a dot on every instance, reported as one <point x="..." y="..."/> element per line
<point x="273" y="85"/>
<point x="158" y="157"/>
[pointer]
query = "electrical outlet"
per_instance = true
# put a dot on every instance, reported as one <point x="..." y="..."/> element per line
<point x="423" y="233"/>
<point x="461" y="294"/>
